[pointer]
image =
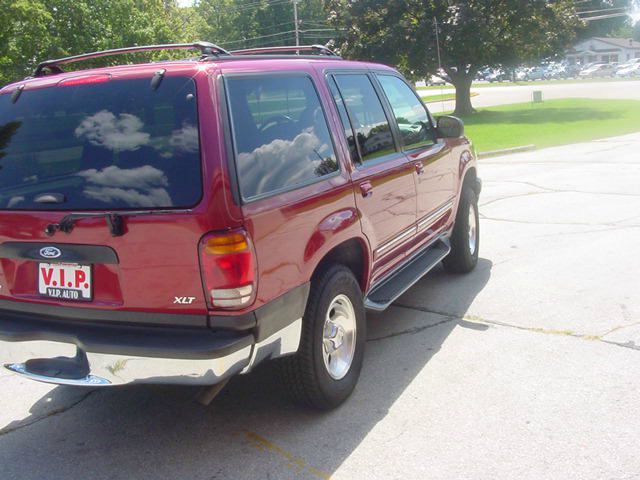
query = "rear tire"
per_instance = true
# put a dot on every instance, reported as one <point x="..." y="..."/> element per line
<point x="465" y="239"/>
<point x="333" y="335"/>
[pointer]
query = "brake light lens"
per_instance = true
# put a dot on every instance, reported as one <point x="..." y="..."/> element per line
<point x="84" y="80"/>
<point x="228" y="267"/>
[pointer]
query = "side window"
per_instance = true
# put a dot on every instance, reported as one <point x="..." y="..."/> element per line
<point x="346" y="123"/>
<point x="368" y="120"/>
<point x="412" y="118"/>
<point x="280" y="133"/>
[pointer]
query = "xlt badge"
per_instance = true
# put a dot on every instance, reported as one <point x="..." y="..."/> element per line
<point x="184" y="300"/>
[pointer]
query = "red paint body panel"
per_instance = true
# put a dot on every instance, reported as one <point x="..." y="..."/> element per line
<point x="291" y="231"/>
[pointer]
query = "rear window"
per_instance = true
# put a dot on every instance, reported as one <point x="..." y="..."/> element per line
<point x="280" y="132"/>
<point x="115" y="144"/>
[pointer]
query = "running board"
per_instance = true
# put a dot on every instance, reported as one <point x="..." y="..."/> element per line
<point x="383" y="295"/>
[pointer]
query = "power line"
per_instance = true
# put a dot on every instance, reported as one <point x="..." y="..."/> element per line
<point x="256" y="38"/>
<point x="312" y="30"/>
<point x="602" y="17"/>
<point x="252" y="5"/>
<point x="270" y="27"/>
<point x="602" y="10"/>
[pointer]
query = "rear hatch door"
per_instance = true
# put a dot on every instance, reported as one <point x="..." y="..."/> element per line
<point x="120" y="161"/>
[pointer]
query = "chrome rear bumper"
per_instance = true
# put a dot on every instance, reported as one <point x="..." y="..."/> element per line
<point x="62" y="348"/>
<point x="65" y="364"/>
<point x="96" y="359"/>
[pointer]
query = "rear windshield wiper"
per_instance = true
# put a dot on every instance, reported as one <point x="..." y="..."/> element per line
<point x="115" y="220"/>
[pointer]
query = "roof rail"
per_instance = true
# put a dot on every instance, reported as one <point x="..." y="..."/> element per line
<point x="206" y="49"/>
<point x="319" y="49"/>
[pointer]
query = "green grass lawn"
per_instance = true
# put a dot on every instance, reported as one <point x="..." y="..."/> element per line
<point x="555" y="122"/>
<point x="535" y="82"/>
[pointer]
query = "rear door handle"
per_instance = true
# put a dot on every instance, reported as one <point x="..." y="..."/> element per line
<point x="366" y="189"/>
<point x="419" y="168"/>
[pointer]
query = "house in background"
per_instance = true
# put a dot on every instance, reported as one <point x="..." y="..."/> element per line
<point x="604" y="50"/>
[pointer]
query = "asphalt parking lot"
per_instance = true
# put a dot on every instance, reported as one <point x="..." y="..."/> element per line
<point x="509" y="93"/>
<point x="527" y="368"/>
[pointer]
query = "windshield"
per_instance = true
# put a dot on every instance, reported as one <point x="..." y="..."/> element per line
<point x="112" y="144"/>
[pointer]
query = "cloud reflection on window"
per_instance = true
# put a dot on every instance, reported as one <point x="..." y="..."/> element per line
<point x="281" y="162"/>
<point x="186" y="139"/>
<point x="120" y="133"/>
<point x="137" y="187"/>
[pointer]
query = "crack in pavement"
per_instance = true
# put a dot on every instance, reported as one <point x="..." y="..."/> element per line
<point x="618" y="328"/>
<point x="549" y="190"/>
<point x="553" y="162"/>
<point x="509" y="197"/>
<point x="582" y="232"/>
<point x="412" y="331"/>
<point x="578" y="224"/>
<point x="479" y="320"/>
<point x="449" y="317"/>
<point x="562" y="190"/>
<point x="53" y="413"/>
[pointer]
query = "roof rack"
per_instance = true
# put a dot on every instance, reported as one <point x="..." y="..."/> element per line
<point x="319" y="49"/>
<point x="206" y="49"/>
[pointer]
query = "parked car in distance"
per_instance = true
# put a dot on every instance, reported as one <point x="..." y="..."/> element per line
<point x="481" y="74"/>
<point x="572" y="70"/>
<point x="598" y="70"/>
<point x="630" y="70"/>
<point x="537" y="73"/>
<point x="435" y="80"/>
<point x="521" y="74"/>
<point x="562" y="71"/>
<point x="182" y="222"/>
<point x="498" y="75"/>
<point x="628" y="63"/>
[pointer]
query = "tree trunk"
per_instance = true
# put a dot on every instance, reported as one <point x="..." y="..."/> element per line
<point x="463" y="96"/>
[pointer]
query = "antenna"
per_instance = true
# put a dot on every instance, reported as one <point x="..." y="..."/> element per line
<point x="435" y="24"/>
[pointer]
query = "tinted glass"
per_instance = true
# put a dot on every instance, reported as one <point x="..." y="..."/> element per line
<point x="411" y="116"/>
<point x="109" y="145"/>
<point x="344" y="119"/>
<point x="367" y="116"/>
<point x="280" y="133"/>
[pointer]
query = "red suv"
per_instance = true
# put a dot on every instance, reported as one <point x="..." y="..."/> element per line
<point x="181" y="222"/>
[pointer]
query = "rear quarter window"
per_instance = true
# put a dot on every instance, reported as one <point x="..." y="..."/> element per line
<point x="280" y="133"/>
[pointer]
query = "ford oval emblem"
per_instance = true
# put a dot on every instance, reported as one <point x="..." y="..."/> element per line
<point x="50" y="252"/>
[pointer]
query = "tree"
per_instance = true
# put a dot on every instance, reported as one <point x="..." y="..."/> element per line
<point x="24" y="31"/>
<point x="473" y="34"/>
<point x="234" y="24"/>
<point x="606" y="24"/>
<point x="34" y="30"/>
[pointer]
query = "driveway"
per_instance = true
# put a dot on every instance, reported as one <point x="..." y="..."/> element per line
<point x="525" y="369"/>
<point x="521" y="93"/>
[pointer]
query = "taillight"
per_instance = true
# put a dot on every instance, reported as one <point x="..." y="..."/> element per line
<point x="227" y="263"/>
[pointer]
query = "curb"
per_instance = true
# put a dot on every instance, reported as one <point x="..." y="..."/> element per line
<point x="473" y="94"/>
<point x="438" y="101"/>
<point x="506" y="151"/>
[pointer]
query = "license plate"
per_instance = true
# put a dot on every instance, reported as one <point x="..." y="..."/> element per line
<point x="64" y="281"/>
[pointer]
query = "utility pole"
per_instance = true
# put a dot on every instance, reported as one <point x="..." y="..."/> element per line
<point x="295" y="21"/>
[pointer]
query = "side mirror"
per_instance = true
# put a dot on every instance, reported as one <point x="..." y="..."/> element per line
<point x="450" y="127"/>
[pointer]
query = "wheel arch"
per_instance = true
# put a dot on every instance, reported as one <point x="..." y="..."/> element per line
<point x="354" y="254"/>
<point x="471" y="179"/>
